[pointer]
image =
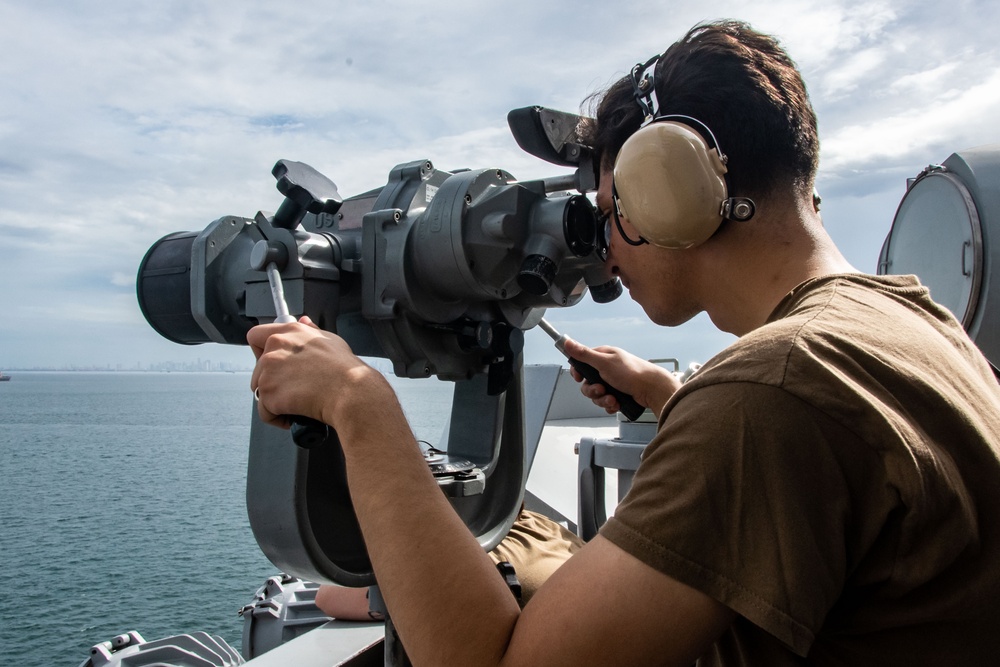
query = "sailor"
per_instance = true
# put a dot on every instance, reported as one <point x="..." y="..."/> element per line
<point x="821" y="492"/>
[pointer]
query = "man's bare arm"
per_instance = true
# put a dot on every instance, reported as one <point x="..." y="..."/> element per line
<point x="345" y="604"/>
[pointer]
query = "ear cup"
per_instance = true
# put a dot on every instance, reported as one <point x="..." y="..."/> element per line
<point x="670" y="184"/>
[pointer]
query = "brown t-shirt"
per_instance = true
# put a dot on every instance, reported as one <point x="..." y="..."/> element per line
<point x="834" y="478"/>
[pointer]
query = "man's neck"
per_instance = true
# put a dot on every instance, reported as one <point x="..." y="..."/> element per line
<point x="756" y="268"/>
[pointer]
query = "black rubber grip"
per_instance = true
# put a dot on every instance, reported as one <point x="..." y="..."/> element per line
<point x="627" y="405"/>
<point x="308" y="433"/>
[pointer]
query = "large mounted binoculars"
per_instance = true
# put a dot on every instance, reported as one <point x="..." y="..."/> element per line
<point x="440" y="272"/>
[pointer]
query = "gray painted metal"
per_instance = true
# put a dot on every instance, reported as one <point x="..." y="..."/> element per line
<point x="947" y="232"/>
<point x="131" y="650"/>
<point x="282" y="609"/>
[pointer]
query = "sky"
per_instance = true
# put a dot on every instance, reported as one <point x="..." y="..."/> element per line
<point x="124" y="120"/>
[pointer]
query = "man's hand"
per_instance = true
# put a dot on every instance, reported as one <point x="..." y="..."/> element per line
<point x="649" y="384"/>
<point x="302" y="370"/>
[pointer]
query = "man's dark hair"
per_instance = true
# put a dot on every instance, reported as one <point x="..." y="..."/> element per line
<point x="743" y="86"/>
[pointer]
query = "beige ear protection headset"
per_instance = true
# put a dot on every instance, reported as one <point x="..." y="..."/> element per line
<point x="669" y="177"/>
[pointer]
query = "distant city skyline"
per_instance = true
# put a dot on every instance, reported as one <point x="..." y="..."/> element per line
<point x="199" y="365"/>
<point x="179" y="366"/>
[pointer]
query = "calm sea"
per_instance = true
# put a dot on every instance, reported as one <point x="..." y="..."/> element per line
<point x="122" y="506"/>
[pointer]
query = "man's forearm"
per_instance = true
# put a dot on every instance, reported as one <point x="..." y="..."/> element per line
<point x="463" y="616"/>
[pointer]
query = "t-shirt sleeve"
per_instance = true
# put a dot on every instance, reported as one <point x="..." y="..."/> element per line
<point x="742" y="496"/>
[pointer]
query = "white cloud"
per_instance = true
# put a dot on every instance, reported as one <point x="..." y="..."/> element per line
<point x="947" y="114"/>
<point x="123" y="279"/>
<point x="122" y="122"/>
<point x="851" y="71"/>
<point x="818" y="34"/>
<point x="929" y="82"/>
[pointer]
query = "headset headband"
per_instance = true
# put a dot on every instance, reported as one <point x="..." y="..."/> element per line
<point x="644" y="88"/>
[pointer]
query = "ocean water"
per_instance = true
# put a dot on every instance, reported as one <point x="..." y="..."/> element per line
<point x="122" y="506"/>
